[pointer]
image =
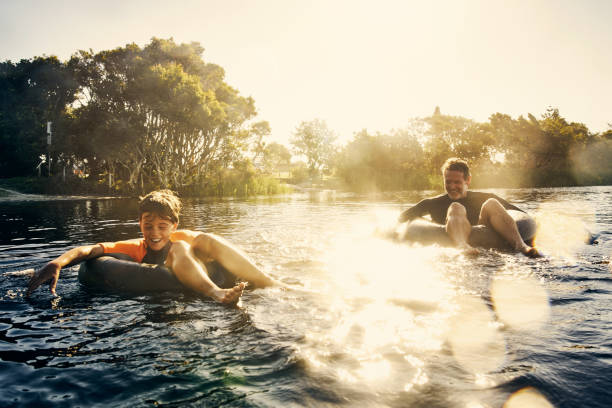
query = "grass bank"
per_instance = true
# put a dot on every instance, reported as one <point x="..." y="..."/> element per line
<point x="231" y="187"/>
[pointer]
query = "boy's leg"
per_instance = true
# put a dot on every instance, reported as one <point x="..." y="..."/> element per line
<point x="459" y="228"/>
<point x="192" y="274"/>
<point x="232" y="259"/>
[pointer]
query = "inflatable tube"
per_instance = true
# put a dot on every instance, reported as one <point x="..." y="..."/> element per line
<point x="118" y="273"/>
<point x="428" y="233"/>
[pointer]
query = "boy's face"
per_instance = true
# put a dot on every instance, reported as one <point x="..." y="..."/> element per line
<point x="156" y="230"/>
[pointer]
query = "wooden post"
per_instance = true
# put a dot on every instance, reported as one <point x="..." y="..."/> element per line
<point x="49" y="133"/>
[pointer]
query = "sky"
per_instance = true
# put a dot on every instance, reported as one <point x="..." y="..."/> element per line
<point x="357" y="64"/>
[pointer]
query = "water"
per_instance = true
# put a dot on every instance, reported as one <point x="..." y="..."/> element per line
<point x="373" y="323"/>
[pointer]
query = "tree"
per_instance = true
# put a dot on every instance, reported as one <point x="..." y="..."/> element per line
<point x="32" y="92"/>
<point x="383" y="162"/>
<point x="276" y="158"/>
<point x="455" y="136"/>
<point x="159" y="115"/>
<point x="315" y="141"/>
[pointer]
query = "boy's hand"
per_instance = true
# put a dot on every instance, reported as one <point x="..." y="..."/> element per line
<point x="50" y="271"/>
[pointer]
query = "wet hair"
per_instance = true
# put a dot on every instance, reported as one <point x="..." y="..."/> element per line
<point x="456" y="164"/>
<point x="164" y="203"/>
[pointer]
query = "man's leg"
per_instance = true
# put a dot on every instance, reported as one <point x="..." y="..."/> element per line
<point x="494" y="215"/>
<point x="192" y="274"/>
<point x="459" y="228"/>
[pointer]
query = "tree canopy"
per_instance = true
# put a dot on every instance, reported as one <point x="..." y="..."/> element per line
<point x="142" y="117"/>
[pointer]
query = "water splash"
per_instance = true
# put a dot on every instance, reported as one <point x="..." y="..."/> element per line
<point x="563" y="228"/>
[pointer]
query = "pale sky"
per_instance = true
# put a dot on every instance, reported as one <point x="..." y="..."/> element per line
<point x="358" y="64"/>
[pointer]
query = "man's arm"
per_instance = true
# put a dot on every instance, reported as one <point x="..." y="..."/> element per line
<point x="413" y="212"/>
<point x="51" y="271"/>
<point x="232" y="258"/>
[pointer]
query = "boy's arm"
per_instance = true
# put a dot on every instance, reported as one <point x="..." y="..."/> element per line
<point x="231" y="257"/>
<point x="51" y="270"/>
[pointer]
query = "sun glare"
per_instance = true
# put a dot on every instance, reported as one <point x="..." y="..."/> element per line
<point x="388" y="298"/>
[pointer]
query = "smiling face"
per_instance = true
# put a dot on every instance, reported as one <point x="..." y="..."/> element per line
<point x="156" y="230"/>
<point x="455" y="184"/>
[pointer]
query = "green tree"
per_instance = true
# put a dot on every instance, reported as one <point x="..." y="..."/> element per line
<point x="32" y="92"/>
<point x="455" y="136"/>
<point x="315" y="141"/>
<point x="383" y="162"/>
<point x="276" y="158"/>
<point x="159" y="116"/>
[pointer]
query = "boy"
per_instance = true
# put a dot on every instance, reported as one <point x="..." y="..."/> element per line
<point x="162" y="243"/>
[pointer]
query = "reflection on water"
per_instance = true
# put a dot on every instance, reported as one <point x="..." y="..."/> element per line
<point x="369" y="322"/>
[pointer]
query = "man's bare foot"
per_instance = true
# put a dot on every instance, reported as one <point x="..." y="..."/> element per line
<point x="229" y="296"/>
<point x="469" y="250"/>
<point x="531" y="252"/>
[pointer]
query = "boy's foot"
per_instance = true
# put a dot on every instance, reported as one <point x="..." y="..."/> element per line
<point x="230" y="296"/>
<point x="532" y="252"/>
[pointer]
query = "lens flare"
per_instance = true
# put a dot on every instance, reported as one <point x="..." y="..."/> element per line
<point x="520" y="302"/>
<point x="527" y="398"/>
<point x="475" y="340"/>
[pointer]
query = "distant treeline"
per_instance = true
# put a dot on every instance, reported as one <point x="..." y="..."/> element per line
<point x="503" y="152"/>
<point x="132" y="119"/>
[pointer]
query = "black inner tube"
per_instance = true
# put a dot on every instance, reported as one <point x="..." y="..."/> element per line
<point x="119" y="273"/>
<point x="428" y="233"/>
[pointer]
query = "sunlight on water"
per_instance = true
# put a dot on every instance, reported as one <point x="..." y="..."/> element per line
<point x="520" y="302"/>
<point x="390" y="299"/>
<point x="420" y="376"/>
<point x="475" y="405"/>
<point x="389" y="302"/>
<point x="563" y="228"/>
<point x="527" y="398"/>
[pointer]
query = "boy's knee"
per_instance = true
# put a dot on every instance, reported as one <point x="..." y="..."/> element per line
<point x="179" y="248"/>
<point x="206" y="243"/>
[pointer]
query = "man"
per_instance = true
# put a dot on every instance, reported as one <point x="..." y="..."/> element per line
<point x="459" y="209"/>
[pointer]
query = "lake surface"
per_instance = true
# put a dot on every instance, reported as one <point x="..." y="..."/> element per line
<point x="370" y="322"/>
